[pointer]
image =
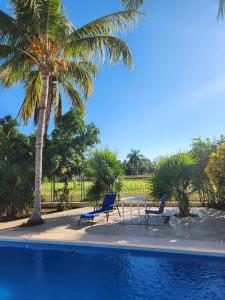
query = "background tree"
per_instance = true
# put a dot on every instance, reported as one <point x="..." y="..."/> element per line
<point x="134" y="160"/>
<point x="215" y="171"/>
<point x="107" y="171"/>
<point x="201" y="149"/>
<point x="69" y="142"/>
<point x="173" y="176"/>
<point x="16" y="169"/>
<point x="38" y="37"/>
<point x="146" y="167"/>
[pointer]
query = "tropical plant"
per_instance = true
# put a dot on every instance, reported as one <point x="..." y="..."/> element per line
<point x="173" y="176"/>
<point x="39" y="46"/>
<point x="215" y="170"/>
<point x="201" y="149"/>
<point x="67" y="145"/>
<point x="16" y="169"/>
<point x="135" y="160"/>
<point x="62" y="196"/>
<point x="106" y="170"/>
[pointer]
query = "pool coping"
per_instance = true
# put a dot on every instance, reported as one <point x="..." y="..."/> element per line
<point x="56" y="244"/>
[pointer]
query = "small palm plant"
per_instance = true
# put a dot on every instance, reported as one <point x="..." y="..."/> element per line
<point x="173" y="176"/>
<point x="106" y="170"/>
<point x="40" y="47"/>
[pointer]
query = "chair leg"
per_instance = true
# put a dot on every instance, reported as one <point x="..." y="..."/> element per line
<point x="118" y="210"/>
<point x="147" y="219"/>
<point x="79" y="221"/>
<point x="166" y="219"/>
<point x="92" y="222"/>
<point x="107" y="216"/>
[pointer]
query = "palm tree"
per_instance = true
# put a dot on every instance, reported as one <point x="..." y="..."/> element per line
<point x="83" y="76"/>
<point x="81" y="72"/>
<point x="134" y="159"/>
<point x="39" y="46"/>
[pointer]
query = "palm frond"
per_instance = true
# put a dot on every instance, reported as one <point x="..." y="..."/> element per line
<point x="9" y="29"/>
<point x="8" y="78"/>
<point x="47" y="17"/>
<point x="8" y="51"/>
<point x="221" y="9"/>
<point x="81" y="73"/>
<point x="25" y="11"/>
<point x="33" y="88"/>
<point x="89" y="67"/>
<point x="132" y="4"/>
<point x="102" y="46"/>
<point x="53" y="21"/>
<point x="108" y="25"/>
<point x="14" y="70"/>
<point x="73" y="94"/>
<point x="36" y="114"/>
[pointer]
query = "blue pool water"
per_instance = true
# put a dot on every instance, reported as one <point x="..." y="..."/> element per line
<point x="48" y="272"/>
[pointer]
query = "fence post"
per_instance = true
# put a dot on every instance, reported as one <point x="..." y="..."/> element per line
<point x="51" y="190"/>
<point x="82" y="188"/>
<point x="53" y="194"/>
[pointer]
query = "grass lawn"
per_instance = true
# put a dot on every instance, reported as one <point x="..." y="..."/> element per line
<point x="131" y="187"/>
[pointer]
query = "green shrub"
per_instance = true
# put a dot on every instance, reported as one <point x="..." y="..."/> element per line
<point x="215" y="171"/>
<point x="173" y="176"/>
<point x="16" y="170"/>
<point x="106" y="170"/>
<point x="204" y="187"/>
<point x="62" y="197"/>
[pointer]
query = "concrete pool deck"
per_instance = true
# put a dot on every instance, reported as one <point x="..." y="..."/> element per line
<point x="204" y="233"/>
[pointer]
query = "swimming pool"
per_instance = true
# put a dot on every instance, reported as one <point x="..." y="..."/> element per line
<point x="57" y="272"/>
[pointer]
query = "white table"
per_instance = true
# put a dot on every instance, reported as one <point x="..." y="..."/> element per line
<point x="136" y="201"/>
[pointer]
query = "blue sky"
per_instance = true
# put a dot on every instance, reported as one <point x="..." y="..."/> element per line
<point x="177" y="89"/>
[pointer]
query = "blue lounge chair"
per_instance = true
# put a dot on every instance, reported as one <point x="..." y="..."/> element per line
<point x="107" y="206"/>
<point x="158" y="212"/>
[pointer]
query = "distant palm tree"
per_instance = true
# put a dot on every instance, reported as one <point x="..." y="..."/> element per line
<point x="39" y="46"/>
<point x="135" y="159"/>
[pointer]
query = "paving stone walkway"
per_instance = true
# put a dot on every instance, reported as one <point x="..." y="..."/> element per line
<point x="206" y="232"/>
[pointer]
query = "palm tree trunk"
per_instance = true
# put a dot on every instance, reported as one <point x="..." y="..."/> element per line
<point x="137" y="171"/>
<point x="36" y="215"/>
<point x="47" y="116"/>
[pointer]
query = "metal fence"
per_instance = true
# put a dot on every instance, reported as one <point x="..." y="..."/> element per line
<point x="79" y="186"/>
